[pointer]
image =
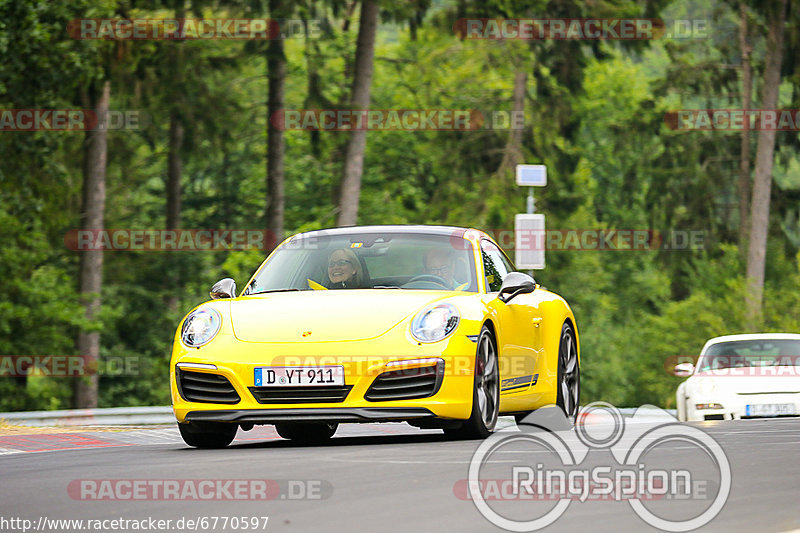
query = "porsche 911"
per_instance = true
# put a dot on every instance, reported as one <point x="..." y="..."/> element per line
<point x="429" y="325"/>
<point x="753" y="375"/>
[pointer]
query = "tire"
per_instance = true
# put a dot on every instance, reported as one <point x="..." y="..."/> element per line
<point x="485" y="392"/>
<point x="519" y="417"/>
<point x="306" y="432"/>
<point x="568" y="394"/>
<point x="208" y="434"/>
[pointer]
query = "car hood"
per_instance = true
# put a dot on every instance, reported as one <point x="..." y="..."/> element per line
<point x="323" y="316"/>
<point x="758" y="380"/>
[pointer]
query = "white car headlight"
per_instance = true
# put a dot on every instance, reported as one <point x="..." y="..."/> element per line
<point x="200" y="327"/>
<point x="435" y="323"/>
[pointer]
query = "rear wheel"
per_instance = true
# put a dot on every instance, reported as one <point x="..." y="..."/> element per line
<point x="485" y="393"/>
<point x="569" y="374"/>
<point x="306" y="432"/>
<point x="208" y="434"/>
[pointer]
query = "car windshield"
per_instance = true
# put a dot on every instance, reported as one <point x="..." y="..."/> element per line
<point x="745" y="353"/>
<point x="394" y="260"/>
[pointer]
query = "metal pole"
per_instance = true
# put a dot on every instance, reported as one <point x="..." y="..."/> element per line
<point x="531" y="201"/>
<point x="531" y="204"/>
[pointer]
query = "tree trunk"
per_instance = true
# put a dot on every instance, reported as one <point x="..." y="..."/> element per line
<point x="90" y="276"/>
<point x="314" y="98"/>
<point x="512" y="155"/>
<point x="174" y="172"/>
<point x="759" y="215"/>
<point x="744" y="152"/>
<point x="276" y="72"/>
<point x="356" y="145"/>
<point x="177" y="87"/>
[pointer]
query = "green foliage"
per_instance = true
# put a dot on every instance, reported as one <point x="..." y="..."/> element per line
<point x="594" y="115"/>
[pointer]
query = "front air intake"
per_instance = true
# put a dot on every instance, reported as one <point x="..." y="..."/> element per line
<point x="406" y="384"/>
<point x="316" y="394"/>
<point x="205" y="388"/>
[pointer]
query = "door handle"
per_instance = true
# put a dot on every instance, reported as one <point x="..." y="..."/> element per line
<point x="536" y="321"/>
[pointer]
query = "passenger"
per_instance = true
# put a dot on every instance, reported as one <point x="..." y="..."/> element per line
<point x="344" y="270"/>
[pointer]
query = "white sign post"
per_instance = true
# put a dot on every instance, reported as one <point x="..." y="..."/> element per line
<point x="529" y="229"/>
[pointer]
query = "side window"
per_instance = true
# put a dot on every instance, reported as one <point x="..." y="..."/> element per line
<point x="495" y="266"/>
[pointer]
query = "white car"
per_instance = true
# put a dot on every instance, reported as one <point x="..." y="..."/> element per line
<point x="742" y="376"/>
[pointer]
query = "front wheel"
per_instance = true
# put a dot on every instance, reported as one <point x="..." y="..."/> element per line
<point x="519" y="417"/>
<point x="569" y="374"/>
<point x="485" y="393"/>
<point x="208" y="434"/>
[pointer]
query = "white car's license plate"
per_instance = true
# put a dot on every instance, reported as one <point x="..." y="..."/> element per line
<point x="770" y="409"/>
<point x="294" y="376"/>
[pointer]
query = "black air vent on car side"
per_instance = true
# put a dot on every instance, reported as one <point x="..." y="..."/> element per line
<point x="406" y="384"/>
<point x="205" y="388"/>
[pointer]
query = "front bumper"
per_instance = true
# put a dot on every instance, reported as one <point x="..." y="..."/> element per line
<point x="328" y="414"/>
<point x="743" y="406"/>
<point x="451" y="398"/>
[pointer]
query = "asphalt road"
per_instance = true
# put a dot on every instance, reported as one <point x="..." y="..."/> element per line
<point x="389" y="477"/>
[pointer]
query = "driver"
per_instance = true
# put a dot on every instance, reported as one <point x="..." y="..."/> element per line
<point x="439" y="262"/>
<point x="344" y="270"/>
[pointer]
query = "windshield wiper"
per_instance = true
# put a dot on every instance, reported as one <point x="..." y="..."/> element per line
<point x="272" y="290"/>
<point x="385" y="287"/>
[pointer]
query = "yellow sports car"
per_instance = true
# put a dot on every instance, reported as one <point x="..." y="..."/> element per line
<point x="425" y="324"/>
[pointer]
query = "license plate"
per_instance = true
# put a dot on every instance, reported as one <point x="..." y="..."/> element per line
<point x="770" y="409"/>
<point x="302" y="376"/>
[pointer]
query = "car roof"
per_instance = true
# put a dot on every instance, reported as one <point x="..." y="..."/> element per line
<point x="392" y="228"/>
<point x="750" y="337"/>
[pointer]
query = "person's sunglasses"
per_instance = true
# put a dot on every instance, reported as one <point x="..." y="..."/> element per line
<point x="339" y="263"/>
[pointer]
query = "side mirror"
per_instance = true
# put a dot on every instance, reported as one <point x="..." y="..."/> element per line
<point x="224" y="288"/>
<point x="514" y="284"/>
<point x="684" y="370"/>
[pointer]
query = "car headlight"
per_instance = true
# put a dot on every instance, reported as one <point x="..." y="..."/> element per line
<point x="200" y="327"/>
<point x="700" y="406"/>
<point x="435" y="323"/>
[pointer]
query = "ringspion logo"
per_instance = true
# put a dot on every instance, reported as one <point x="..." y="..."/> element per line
<point x="546" y="461"/>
